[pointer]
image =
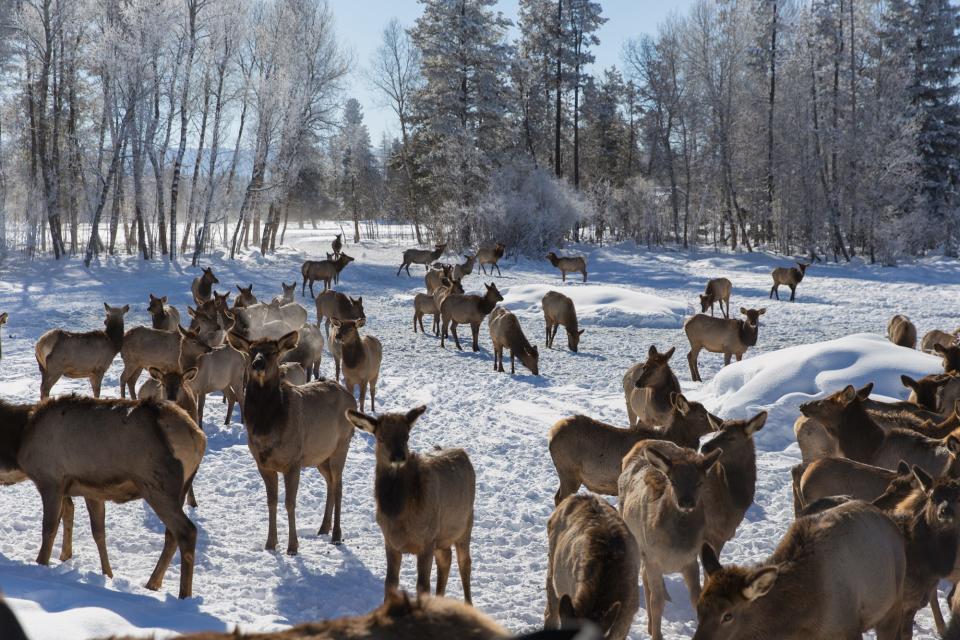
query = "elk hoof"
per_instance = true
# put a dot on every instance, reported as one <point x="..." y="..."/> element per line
<point x="292" y="551"/>
<point x="324" y="530"/>
<point x="153" y="585"/>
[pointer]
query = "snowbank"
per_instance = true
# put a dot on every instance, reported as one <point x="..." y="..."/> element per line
<point x="603" y="305"/>
<point x="781" y="380"/>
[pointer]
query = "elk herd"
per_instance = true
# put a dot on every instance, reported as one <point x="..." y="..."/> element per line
<point x="877" y="496"/>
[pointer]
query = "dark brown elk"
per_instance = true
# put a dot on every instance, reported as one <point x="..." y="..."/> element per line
<point x="424" y="502"/>
<point x="245" y="298"/>
<point x="337" y="244"/>
<point x="568" y="264"/>
<point x="360" y="357"/>
<point x="202" y="286"/>
<point x="717" y="292"/>
<point x="790" y="276"/>
<point x="290" y="428"/>
<point x="333" y="305"/>
<point x="491" y="256"/>
<point x="80" y="355"/>
<point x="325" y="270"/>
<point x="648" y="388"/>
<point x="721" y="335"/>
<point x="506" y="332"/>
<point x="950" y="355"/>
<point x="558" y="310"/>
<point x="421" y="256"/>
<point x="289" y="294"/>
<point x="162" y="315"/>
<point x="592" y="567"/>
<point x="798" y="593"/>
<point x="926" y="392"/>
<point x="902" y="332"/>
<point x="467" y="309"/>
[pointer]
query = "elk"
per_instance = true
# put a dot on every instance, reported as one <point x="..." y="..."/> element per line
<point x="951" y="357"/>
<point x="927" y="391"/>
<point x="209" y="324"/>
<point x="290" y="428"/>
<point x="246" y="297"/>
<point x="80" y="355"/>
<point x="798" y="593"/>
<point x="202" y="286"/>
<point x="732" y="482"/>
<point x="465" y="269"/>
<point x="648" y="388"/>
<point x="117" y="450"/>
<point x="326" y="270"/>
<point x="144" y="347"/>
<point x="505" y="331"/>
<point x="421" y="256"/>
<point x="592" y="567"/>
<point x="308" y="352"/>
<point x="467" y="309"/>
<point x="3" y="321"/>
<point x="842" y="476"/>
<point x="718" y="291"/>
<point x="790" y="276"/>
<point x="293" y="373"/>
<point x="360" y="358"/>
<point x="660" y="498"/>
<point x="490" y="256"/>
<point x="902" y="332"/>
<point x="588" y="452"/>
<point x="935" y="337"/>
<point x="289" y="294"/>
<point x="337" y="244"/>
<point x="220" y="369"/>
<point x="424" y="303"/>
<point x="558" y="310"/>
<point x="569" y="264"/>
<point x="435" y="277"/>
<point x="424" y="502"/>
<point x="721" y="335"/>
<point x="162" y="315"/>
<point x="333" y="305"/>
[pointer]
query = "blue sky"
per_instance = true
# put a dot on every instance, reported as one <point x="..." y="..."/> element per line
<point x="360" y="22"/>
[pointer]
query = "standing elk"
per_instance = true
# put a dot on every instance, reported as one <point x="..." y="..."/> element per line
<point x="424" y="303"/>
<point x="491" y="256"/>
<point x="202" y="286"/>
<point x="938" y="337"/>
<point x="337" y="244"/>
<point x="571" y="264"/>
<point x="220" y="369"/>
<point x="465" y="269"/>
<point x="902" y="332"/>
<point x="308" y="352"/>
<point x="162" y="315"/>
<point x="144" y="347"/>
<point x="421" y="256"/>
<point x="424" y="502"/>
<point x="333" y="305"/>
<point x="326" y="270"/>
<point x="435" y="277"/>
<point x="717" y="292"/>
<point x="360" y="357"/>
<point x="80" y="355"/>
<point x="505" y="331"/>
<point x="790" y="276"/>
<point x="246" y="297"/>
<point x="558" y="310"/>
<point x="467" y="309"/>
<point x="648" y="388"/>
<point x="289" y="294"/>
<point x="721" y="335"/>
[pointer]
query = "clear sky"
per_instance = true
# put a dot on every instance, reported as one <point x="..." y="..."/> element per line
<point x="360" y="22"/>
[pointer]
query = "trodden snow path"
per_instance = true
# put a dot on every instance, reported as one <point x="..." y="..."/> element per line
<point x="634" y="298"/>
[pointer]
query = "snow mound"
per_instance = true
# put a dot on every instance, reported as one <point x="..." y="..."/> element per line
<point x="603" y="305"/>
<point x="779" y="381"/>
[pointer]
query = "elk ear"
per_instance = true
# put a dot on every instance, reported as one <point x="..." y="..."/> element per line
<point x="669" y="354"/>
<point x="155" y="373"/>
<point x="106" y="307"/>
<point x="191" y="312"/>
<point x="762" y="311"/>
<point x="849" y="394"/>
<point x="652" y="352"/>
<point x="362" y="421"/>
<point x="580" y="333"/>
<point x="903" y="468"/>
<point x="414" y="414"/>
<point x="709" y="459"/>
<point x="716" y="424"/>
<point x="760" y="582"/>
<point x="238" y="341"/>
<point x="335" y="323"/>
<point x="240" y="288"/>
<point x="125" y="308"/>
<point x="864" y="392"/>
<point x="657" y="459"/>
<point x="953" y="444"/>
<point x="679" y="403"/>
<point x="909" y="382"/>
<point x="567" y="612"/>
<point x="926" y="482"/>
<point x="756" y="423"/>
<point x="288" y="342"/>
<point x="711" y="564"/>
<point x="190" y="374"/>
<point x="743" y="311"/>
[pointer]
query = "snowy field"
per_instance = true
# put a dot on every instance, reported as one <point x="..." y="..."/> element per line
<point x="635" y="298"/>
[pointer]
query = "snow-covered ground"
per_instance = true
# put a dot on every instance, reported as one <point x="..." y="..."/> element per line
<point x="635" y="298"/>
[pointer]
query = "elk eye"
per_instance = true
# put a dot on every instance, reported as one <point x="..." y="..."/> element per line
<point x="727" y="617"/>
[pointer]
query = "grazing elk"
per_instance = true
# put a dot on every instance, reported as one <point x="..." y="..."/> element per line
<point x="220" y="369"/>
<point x="337" y="244"/>
<point x="951" y="357"/>
<point x="246" y="297"/>
<point x="465" y="269"/>
<point x="116" y="450"/>
<point x="570" y="264"/>
<point x="144" y="347"/>
<point x="721" y="335"/>
<point x="938" y="337"/>
<point x="558" y="310"/>
<point x="289" y="294"/>
<point x="424" y="503"/>
<point x="790" y="276"/>
<point x="435" y="277"/>
<point x="592" y="567"/>
<point x="162" y="315"/>
<point x="421" y="256"/>
<point x="718" y="291"/>
<point x="308" y="352"/>
<point x="202" y="286"/>
<point x="467" y="309"/>
<point x="505" y="331"/>
<point x="588" y="452"/>
<point x="798" y="593"/>
<point x="902" y="332"/>
<point x="490" y="256"/>
<point x="290" y="428"/>
<point x="360" y="358"/>
<point x="661" y="500"/>
<point x="648" y="388"/>
<point x="333" y="305"/>
<point x="80" y="355"/>
<point x="325" y="270"/>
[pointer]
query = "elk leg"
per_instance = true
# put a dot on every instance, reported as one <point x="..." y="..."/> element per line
<point x="444" y="558"/>
<point x="408" y="270"/>
<point x="97" y="513"/>
<point x="584" y="276"/>
<point x="291" y="483"/>
<point x="312" y="294"/>
<point x="271" y="482"/>
<point x="456" y="338"/>
<point x="373" y="395"/>
<point x="400" y="269"/>
<point x="166" y="555"/>
<point x="48" y="380"/>
<point x="793" y="292"/>
<point x="392" y="579"/>
<point x="182" y="532"/>
<point x="232" y="400"/>
<point x="96" y="380"/>
<point x="513" y="368"/>
<point x="303" y="287"/>
<point x="937" y="613"/>
<point x="498" y="269"/>
<point x="691" y="576"/>
<point x="337" y="464"/>
<point x="656" y="601"/>
<point x="363" y="393"/>
<point x="551" y="613"/>
<point x="475" y="330"/>
<point x="465" y="563"/>
<point x="52" y="497"/>
<point x="324" y="470"/>
<point x="414" y="321"/>
<point x="563" y="275"/>
<point x="889" y="627"/>
<point x="424" y="567"/>
<point x="726" y="358"/>
<point x="692" y="361"/>
<point x="66" y="511"/>
<point x="201" y="403"/>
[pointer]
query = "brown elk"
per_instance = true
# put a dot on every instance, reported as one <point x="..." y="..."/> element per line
<point x="569" y="264"/>
<point x="116" y="450"/>
<point x="3" y="321"/>
<point x="467" y="309"/>
<point x="80" y="355"/>
<point x="841" y="476"/>
<point x="325" y="270"/>
<point x="245" y="298"/>
<point x="592" y="567"/>
<point x="220" y="369"/>
<point x="721" y="335"/>
<point x="337" y="244"/>
<point x="293" y="373"/>
<point x="162" y="315"/>
<point x="424" y="303"/>
<point x="505" y="332"/>
<point x="360" y="359"/>
<point x="798" y="593"/>
<point x="490" y="256"/>
<point x="790" y="276"/>
<point x="927" y="391"/>
<point x="465" y="269"/>
<point x="935" y="337"/>
<point x="289" y="294"/>
<point x="588" y="452"/>
<point x="902" y="332"/>
<point x="308" y="352"/>
<point x="144" y="347"/>
<point x="290" y="428"/>
<point x="202" y="286"/>
<point x="648" y="388"/>
<point x="435" y="277"/>
<point x="661" y="500"/>
<point x="951" y="357"/>
<point x="211" y="326"/>
<point x="717" y="291"/>
<point x="424" y="503"/>
<point x="558" y="310"/>
<point x="333" y="305"/>
<point x="421" y="256"/>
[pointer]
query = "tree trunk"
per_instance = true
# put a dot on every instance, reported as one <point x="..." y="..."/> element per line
<point x="181" y="149"/>
<point x="559" y="87"/>
<point x="770" y="110"/>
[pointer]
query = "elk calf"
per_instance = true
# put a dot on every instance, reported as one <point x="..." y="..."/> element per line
<point x="505" y="331"/>
<point x="790" y="276"/>
<point x="424" y="303"/>
<point x="162" y="315"/>
<point x="221" y="369"/>
<point x="360" y="357"/>
<point x="901" y="332"/>
<point x="467" y="309"/>
<point x="648" y="388"/>
<point x="721" y="335"/>
<point x="570" y="264"/>
<point x="718" y="291"/>
<point x="491" y="256"/>
<point x="202" y="286"/>
<point x="421" y="256"/>
<point x="558" y="310"/>
<point x="424" y="503"/>
<point x="592" y="567"/>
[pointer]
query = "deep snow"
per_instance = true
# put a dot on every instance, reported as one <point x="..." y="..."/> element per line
<point x="635" y="298"/>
